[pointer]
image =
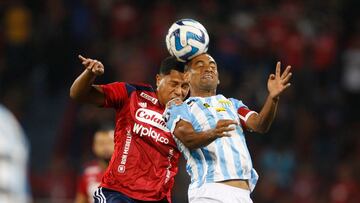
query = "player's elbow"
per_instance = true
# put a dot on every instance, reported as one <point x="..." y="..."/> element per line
<point x="75" y="95"/>
<point x="194" y="143"/>
<point x="191" y="145"/>
<point x="188" y="142"/>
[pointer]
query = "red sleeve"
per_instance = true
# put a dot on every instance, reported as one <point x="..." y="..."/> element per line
<point x="115" y="94"/>
<point x="81" y="186"/>
<point x="244" y="114"/>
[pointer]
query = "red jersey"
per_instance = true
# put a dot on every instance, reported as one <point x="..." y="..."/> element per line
<point x="90" y="180"/>
<point x="145" y="159"/>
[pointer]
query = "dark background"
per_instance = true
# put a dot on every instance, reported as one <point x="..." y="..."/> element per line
<point x="312" y="152"/>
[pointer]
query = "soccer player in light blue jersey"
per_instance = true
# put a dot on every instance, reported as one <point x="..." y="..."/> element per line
<point x="209" y="130"/>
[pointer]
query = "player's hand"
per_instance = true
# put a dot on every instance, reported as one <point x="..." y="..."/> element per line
<point x="94" y="66"/>
<point x="278" y="82"/>
<point x="223" y="127"/>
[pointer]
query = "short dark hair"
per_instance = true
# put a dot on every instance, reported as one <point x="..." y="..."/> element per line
<point x="171" y="63"/>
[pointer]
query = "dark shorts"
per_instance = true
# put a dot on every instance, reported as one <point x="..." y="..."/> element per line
<point x="103" y="195"/>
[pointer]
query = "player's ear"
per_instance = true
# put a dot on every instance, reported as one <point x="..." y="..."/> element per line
<point x="187" y="76"/>
<point x="158" y="79"/>
<point x="218" y="82"/>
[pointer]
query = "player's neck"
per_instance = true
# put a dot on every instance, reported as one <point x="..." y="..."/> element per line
<point x="202" y="93"/>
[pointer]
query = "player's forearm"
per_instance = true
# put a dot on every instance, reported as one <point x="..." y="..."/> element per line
<point x="202" y="139"/>
<point x="82" y="86"/>
<point x="266" y="116"/>
<point x="194" y="140"/>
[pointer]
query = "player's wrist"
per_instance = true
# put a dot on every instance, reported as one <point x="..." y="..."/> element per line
<point x="210" y="134"/>
<point x="274" y="98"/>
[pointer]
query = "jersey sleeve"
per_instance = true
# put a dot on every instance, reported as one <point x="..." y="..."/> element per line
<point x="243" y="111"/>
<point x="175" y="113"/>
<point x="115" y="94"/>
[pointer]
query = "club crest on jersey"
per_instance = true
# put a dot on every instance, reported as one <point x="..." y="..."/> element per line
<point x="148" y="97"/>
<point x="142" y="104"/>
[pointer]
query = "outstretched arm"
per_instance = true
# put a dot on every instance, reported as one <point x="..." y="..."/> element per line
<point x="185" y="132"/>
<point x="83" y="89"/>
<point x="277" y="84"/>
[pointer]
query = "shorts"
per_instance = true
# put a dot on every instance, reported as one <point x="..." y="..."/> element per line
<point x="218" y="193"/>
<point x="104" y="195"/>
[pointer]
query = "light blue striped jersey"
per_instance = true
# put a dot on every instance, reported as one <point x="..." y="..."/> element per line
<point x="225" y="158"/>
<point x="13" y="159"/>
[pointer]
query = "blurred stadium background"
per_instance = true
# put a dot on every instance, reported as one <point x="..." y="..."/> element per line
<point x="312" y="152"/>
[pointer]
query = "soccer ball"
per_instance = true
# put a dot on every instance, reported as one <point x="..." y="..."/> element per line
<point x="186" y="39"/>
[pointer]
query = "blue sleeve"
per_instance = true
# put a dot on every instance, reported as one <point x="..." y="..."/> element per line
<point x="237" y="103"/>
<point x="175" y="113"/>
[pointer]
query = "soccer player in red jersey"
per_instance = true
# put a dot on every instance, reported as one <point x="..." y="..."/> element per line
<point x="103" y="148"/>
<point x="145" y="159"/>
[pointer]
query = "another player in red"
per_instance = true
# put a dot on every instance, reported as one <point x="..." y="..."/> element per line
<point x="145" y="159"/>
<point x="90" y="179"/>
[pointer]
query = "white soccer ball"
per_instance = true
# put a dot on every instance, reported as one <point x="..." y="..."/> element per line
<point x="186" y="39"/>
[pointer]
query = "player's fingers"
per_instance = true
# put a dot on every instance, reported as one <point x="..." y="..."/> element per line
<point x="90" y="66"/>
<point x="277" y="70"/>
<point x="86" y="62"/>
<point x="98" y="68"/>
<point x="286" y="79"/>
<point x="226" y="122"/>
<point x="286" y="72"/>
<point x="82" y="58"/>
<point x="272" y="77"/>
<point x="226" y="129"/>
<point x="286" y="86"/>
<point x="224" y="134"/>
<point x="99" y="71"/>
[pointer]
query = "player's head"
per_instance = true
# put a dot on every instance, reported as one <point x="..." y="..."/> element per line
<point x="170" y="80"/>
<point x="103" y="144"/>
<point x="202" y="73"/>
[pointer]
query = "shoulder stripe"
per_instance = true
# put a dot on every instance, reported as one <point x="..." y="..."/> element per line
<point x="132" y="87"/>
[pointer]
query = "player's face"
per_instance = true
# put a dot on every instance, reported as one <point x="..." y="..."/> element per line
<point x="171" y="86"/>
<point x="103" y="145"/>
<point x="203" y="73"/>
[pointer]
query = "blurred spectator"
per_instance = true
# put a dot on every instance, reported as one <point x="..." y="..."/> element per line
<point x="351" y="74"/>
<point x="14" y="155"/>
<point x="345" y="188"/>
<point x="88" y="182"/>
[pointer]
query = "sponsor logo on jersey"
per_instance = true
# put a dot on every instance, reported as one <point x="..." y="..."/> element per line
<point x="225" y="102"/>
<point x="143" y="104"/>
<point x="220" y="109"/>
<point x="150" y="132"/>
<point x="151" y="117"/>
<point x="148" y="97"/>
<point x="125" y="153"/>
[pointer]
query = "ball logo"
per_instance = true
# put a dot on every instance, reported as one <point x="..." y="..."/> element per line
<point x="151" y="117"/>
